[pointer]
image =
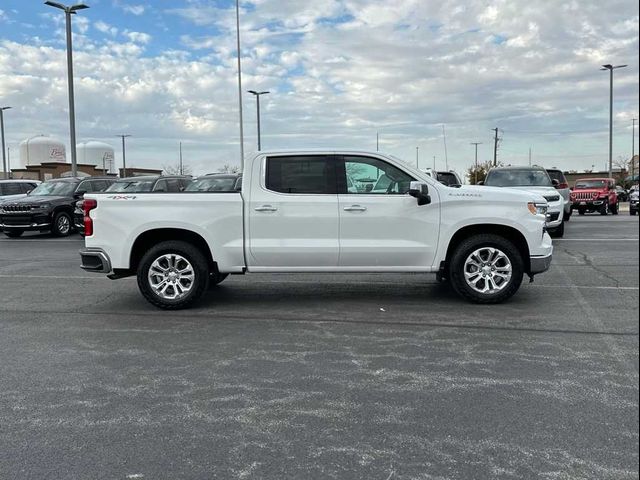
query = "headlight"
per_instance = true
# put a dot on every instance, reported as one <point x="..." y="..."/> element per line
<point x="538" y="208"/>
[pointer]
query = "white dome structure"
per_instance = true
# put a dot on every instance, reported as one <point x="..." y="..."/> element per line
<point x="98" y="154"/>
<point x="41" y="148"/>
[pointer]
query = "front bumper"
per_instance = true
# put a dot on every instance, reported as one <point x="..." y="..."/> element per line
<point x="540" y="264"/>
<point x="555" y="216"/>
<point x="95" y="260"/>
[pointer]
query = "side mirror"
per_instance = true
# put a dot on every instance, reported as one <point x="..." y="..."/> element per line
<point x="79" y="193"/>
<point x="420" y="191"/>
<point x="571" y="188"/>
<point x="555" y="183"/>
<point x="29" y="191"/>
<point x="368" y="187"/>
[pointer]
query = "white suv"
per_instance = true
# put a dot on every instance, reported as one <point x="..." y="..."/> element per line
<point x="448" y="178"/>
<point x="534" y="180"/>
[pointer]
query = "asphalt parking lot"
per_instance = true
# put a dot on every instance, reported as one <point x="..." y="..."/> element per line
<point x="322" y="376"/>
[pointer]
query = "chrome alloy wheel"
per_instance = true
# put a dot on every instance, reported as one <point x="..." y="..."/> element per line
<point x="171" y="276"/>
<point x="63" y="224"/>
<point x="487" y="270"/>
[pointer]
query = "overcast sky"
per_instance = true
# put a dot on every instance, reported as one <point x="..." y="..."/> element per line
<point x="338" y="71"/>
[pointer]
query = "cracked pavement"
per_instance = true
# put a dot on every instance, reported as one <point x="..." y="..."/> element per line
<point x="322" y="376"/>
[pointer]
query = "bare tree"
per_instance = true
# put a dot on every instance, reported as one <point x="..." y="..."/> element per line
<point x="480" y="174"/>
<point x="226" y="168"/>
<point x="175" y="169"/>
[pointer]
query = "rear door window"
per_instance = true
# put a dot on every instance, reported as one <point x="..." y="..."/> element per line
<point x="313" y="174"/>
<point x="161" y="186"/>
<point x="10" y="188"/>
<point x="173" y="185"/>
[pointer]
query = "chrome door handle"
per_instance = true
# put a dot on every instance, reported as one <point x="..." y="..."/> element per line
<point x="266" y="208"/>
<point x="355" y="208"/>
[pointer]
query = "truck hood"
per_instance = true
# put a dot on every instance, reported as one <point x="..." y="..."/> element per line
<point x="498" y="193"/>
<point x="37" y="199"/>
<point x="539" y="190"/>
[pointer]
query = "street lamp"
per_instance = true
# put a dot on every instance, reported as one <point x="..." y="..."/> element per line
<point x="124" y="156"/>
<point x="4" y="158"/>
<point x="257" y="95"/>
<point x="611" y="68"/>
<point x="68" y="11"/>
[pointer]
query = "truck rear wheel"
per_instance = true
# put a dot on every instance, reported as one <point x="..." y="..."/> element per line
<point x="173" y="274"/>
<point x="486" y="268"/>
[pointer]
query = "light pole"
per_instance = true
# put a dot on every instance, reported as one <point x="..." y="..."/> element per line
<point x="417" y="157"/>
<point x="257" y="95"/>
<point x="611" y="68"/>
<point x="633" y="149"/>
<point x="475" y="181"/>
<point x="239" y="85"/>
<point x="4" y="154"/>
<point x="68" y="11"/>
<point x="124" y="155"/>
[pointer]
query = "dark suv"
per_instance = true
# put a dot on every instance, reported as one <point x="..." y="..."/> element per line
<point x="142" y="184"/>
<point x="49" y="207"/>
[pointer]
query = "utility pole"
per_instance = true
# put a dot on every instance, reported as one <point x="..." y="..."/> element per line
<point x="124" y="156"/>
<point x="446" y="157"/>
<point x="495" y="148"/>
<point x="181" y="170"/>
<point x="4" y="158"/>
<point x="529" y="156"/>
<point x="475" y="181"/>
<point x="417" y="158"/>
<point x="377" y="142"/>
<point x="434" y="163"/>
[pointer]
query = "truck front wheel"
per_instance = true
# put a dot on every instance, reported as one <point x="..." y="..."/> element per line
<point x="173" y="274"/>
<point x="486" y="268"/>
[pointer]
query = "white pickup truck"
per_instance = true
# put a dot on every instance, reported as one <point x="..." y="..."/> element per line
<point x="302" y="211"/>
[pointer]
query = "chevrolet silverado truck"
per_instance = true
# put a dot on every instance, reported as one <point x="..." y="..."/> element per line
<point x="595" y="195"/>
<point x="296" y="213"/>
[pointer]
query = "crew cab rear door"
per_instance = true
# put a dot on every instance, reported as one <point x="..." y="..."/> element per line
<point x="292" y="210"/>
<point x="380" y="224"/>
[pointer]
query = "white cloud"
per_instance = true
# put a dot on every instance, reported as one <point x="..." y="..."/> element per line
<point x="138" y="37"/>
<point x="105" y="28"/>
<point x="341" y="70"/>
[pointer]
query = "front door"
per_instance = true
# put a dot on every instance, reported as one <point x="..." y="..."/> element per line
<point x="293" y="213"/>
<point x="380" y="224"/>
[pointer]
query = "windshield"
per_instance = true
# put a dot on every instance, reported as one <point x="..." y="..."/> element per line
<point x="518" y="178"/>
<point x="136" y="186"/>
<point x="585" y="184"/>
<point x="58" y="189"/>
<point x="212" y="184"/>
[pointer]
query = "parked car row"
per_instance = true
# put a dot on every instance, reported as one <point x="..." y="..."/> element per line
<point x="56" y="205"/>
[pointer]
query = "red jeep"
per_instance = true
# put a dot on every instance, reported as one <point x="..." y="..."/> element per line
<point x="595" y="195"/>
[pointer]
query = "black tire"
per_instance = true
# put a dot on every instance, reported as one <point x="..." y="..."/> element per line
<point x="604" y="209"/>
<point x="198" y="263"/>
<point x="61" y="226"/>
<point x="216" y="279"/>
<point x="615" y="208"/>
<point x="557" y="232"/>
<point x="632" y="212"/>
<point x="581" y="211"/>
<point x="567" y="216"/>
<point x="13" y="233"/>
<point x="465" y="249"/>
